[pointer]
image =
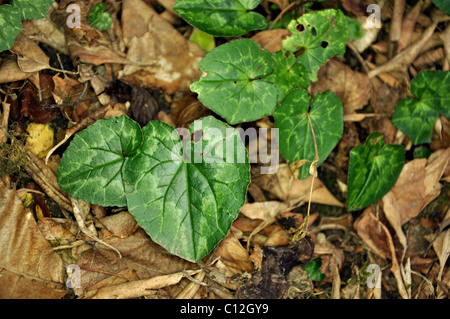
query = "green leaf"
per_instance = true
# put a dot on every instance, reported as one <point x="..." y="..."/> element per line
<point x="233" y="83"/>
<point x="32" y="9"/>
<point x="317" y="36"/>
<point x="421" y="152"/>
<point x="91" y="167"/>
<point x="313" y="269"/>
<point x="99" y="18"/>
<point x="10" y="26"/>
<point x="187" y="205"/>
<point x="416" y="116"/>
<point x="373" y="171"/>
<point x="203" y="39"/>
<point x="444" y="5"/>
<point x="355" y="29"/>
<point x="288" y="75"/>
<point x="221" y="18"/>
<point x="295" y="138"/>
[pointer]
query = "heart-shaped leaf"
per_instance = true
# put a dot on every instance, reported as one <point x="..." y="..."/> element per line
<point x="296" y="141"/>
<point x="32" y="9"/>
<point x="289" y="73"/>
<point x="373" y="171"/>
<point x="11" y="26"/>
<point x="221" y="18"/>
<point x="317" y="36"/>
<point x="233" y="84"/>
<point x="444" y="5"/>
<point x="99" y="18"/>
<point x="187" y="203"/>
<point x="416" y="116"/>
<point x="91" y="167"/>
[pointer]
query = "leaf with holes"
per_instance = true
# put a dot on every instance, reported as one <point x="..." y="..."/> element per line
<point x="295" y="137"/>
<point x="32" y="9"/>
<point x="91" y="167"/>
<point x="187" y="203"/>
<point x="288" y="75"/>
<point x="317" y="37"/>
<point x="221" y="18"/>
<point x="233" y="83"/>
<point x="373" y="171"/>
<point x="10" y="26"/>
<point x="416" y="116"/>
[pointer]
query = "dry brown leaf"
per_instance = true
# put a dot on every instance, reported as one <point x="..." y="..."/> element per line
<point x="368" y="230"/>
<point x="263" y="210"/>
<point x="29" y="267"/>
<point x="293" y="191"/>
<point x="233" y="256"/>
<point x="352" y="87"/>
<point x="30" y="57"/>
<point x="271" y="40"/>
<point x="165" y="64"/>
<point x="417" y="185"/>
<point x="10" y="72"/>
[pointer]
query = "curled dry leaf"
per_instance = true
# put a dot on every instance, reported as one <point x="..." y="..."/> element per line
<point x="30" y="57"/>
<point x="417" y="185"/>
<point x="29" y="267"/>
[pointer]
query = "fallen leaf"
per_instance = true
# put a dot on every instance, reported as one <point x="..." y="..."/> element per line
<point x="170" y="65"/>
<point x="30" y="57"/>
<point x="271" y="40"/>
<point x="10" y="72"/>
<point x="291" y="190"/>
<point x="40" y="139"/>
<point x="352" y="87"/>
<point x="29" y="267"/>
<point x="417" y="185"/>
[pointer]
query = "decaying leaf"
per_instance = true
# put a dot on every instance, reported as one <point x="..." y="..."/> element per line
<point x="417" y="185"/>
<point x="29" y="267"/>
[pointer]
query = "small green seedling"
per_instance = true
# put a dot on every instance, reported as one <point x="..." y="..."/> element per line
<point x="416" y="116"/>
<point x="373" y="171"/>
<point x="99" y="18"/>
<point x="313" y="269"/>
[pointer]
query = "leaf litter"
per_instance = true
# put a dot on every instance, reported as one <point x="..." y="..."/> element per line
<point x="143" y="61"/>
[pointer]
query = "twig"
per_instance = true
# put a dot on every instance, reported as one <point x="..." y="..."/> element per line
<point x="395" y="32"/>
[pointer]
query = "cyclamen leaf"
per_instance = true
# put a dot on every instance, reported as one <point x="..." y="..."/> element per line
<point x="288" y="75"/>
<point x="99" y="18"/>
<point x="416" y="116"/>
<point x="233" y="83"/>
<point x="187" y="206"/>
<point x="444" y="5"/>
<point x="32" y="9"/>
<point x="91" y="167"/>
<point x="373" y="171"/>
<point x="221" y="18"/>
<point x="319" y="36"/>
<point x="10" y="26"/>
<point x="295" y="137"/>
